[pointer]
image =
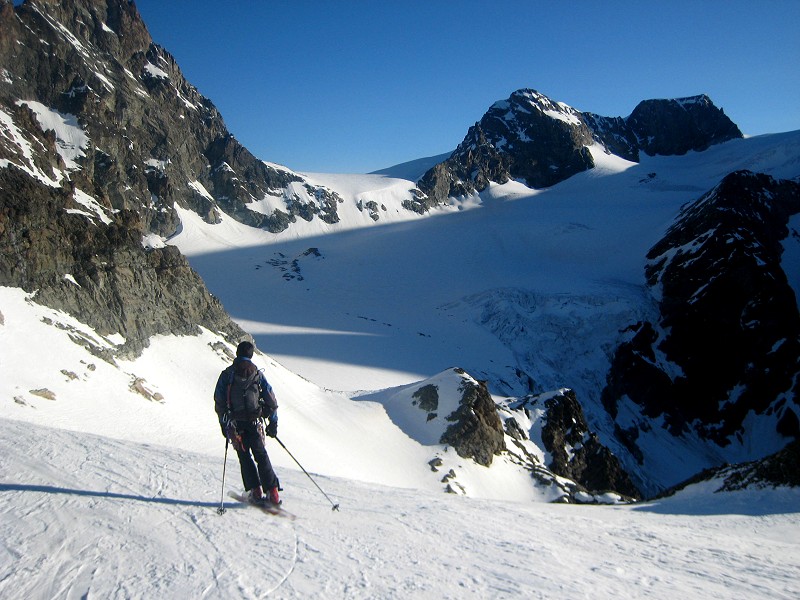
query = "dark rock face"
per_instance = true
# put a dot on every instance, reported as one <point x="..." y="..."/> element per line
<point x="476" y="431"/>
<point x="540" y="142"/>
<point x="576" y="452"/>
<point x="101" y="138"/>
<point x="591" y="464"/>
<point x="99" y="273"/>
<point x="664" y="127"/>
<point x="728" y="341"/>
<point x="670" y="127"/>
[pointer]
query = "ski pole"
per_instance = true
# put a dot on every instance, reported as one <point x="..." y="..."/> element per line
<point x="221" y="509"/>
<point x="335" y="506"/>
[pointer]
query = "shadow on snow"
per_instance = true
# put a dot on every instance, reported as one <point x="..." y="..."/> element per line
<point x="48" y="489"/>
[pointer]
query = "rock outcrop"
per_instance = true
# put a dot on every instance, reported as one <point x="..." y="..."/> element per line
<point x="545" y="435"/>
<point x="475" y="431"/>
<point x="575" y="452"/>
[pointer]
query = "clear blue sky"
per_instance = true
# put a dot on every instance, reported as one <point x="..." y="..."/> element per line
<point x="355" y="86"/>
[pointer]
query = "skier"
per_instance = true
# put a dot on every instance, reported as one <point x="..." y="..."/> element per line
<point x="242" y="400"/>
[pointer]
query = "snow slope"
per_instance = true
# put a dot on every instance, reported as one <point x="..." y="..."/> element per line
<point x="515" y="286"/>
<point x="88" y="516"/>
<point x="165" y="396"/>
<point x="413" y="170"/>
<point x="108" y="492"/>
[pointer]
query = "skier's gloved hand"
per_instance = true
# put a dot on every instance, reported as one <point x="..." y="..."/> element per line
<point x="272" y="427"/>
<point x="224" y="423"/>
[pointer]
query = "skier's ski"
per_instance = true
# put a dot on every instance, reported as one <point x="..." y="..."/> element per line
<point x="264" y="507"/>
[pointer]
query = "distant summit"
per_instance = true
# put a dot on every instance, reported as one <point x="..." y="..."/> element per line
<point x="538" y="141"/>
<point x="665" y="127"/>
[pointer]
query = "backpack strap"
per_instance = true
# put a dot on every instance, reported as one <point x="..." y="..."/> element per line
<point x="228" y="389"/>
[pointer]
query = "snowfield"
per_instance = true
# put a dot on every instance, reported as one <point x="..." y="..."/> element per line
<point x="90" y="516"/>
<point x="111" y="474"/>
<point x="516" y="286"/>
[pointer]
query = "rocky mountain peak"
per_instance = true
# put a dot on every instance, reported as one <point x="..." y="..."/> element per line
<point x="527" y="137"/>
<point x="526" y="100"/>
<point x="533" y="139"/>
<point x="113" y="26"/>
<point x="677" y="126"/>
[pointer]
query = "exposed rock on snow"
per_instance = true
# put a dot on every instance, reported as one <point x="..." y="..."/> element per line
<point x="476" y="431"/>
<point x="576" y="451"/>
<point x="555" y="422"/>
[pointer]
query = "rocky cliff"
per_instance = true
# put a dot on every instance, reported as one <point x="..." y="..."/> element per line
<point x="533" y="139"/>
<point x="100" y="138"/>
<point x="723" y="361"/>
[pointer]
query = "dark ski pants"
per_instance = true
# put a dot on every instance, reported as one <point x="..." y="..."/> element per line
<point x="252" y="433"/>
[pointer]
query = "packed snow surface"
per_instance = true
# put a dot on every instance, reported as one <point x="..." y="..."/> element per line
<point x="89" y="516"/>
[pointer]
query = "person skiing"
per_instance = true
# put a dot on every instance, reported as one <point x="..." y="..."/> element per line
<point x="243" y="398"/>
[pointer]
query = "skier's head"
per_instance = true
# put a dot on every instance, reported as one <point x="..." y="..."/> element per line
<point x="245" y="349"/>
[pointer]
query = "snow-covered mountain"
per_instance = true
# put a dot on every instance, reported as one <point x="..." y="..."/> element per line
<point x="539" y="142"/>
<point x="531" y="291"/>
<point x="446" y="365"/>
<point x="112" y="161"/>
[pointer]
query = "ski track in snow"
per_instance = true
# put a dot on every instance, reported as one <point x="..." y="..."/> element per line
<point x="88" y="516"/>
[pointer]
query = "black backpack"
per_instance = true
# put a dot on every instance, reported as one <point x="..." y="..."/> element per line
<point x="244" y="393"/>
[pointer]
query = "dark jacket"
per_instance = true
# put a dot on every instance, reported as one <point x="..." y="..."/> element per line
<point x="243" y="366"/>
